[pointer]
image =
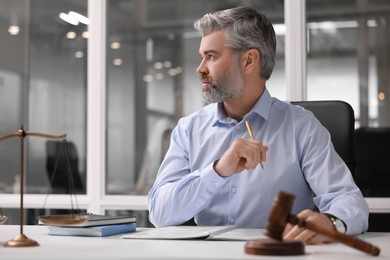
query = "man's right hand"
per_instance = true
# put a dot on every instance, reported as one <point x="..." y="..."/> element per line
<point x="242" y="154"/>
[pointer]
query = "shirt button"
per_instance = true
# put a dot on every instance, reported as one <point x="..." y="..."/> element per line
<point x="234" y="189"/>
<point x="237" y="127"/>
<point x="215" y="183"/>
<point x="232" y="220"/>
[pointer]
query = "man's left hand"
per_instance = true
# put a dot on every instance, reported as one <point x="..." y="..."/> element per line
<point x="294" y="232"/>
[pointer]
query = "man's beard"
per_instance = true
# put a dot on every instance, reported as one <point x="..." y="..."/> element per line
<point x="229" y="85"/>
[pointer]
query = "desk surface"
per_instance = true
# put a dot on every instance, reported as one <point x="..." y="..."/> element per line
<point x="113" y="247"/>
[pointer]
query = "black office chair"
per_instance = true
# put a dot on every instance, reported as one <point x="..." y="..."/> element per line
<point x="372" y="172"/>
<point x="64" y="180"/>
<point x="372" y="149"/>
<point x="339" y="118"/>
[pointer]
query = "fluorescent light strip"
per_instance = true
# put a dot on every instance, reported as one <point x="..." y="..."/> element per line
<point x="74" y="18"/>
<point x="79" y="17"/>
<point x="67" y="18"/>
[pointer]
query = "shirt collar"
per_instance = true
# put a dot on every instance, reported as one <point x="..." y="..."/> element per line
<point x="220" y="116"/>
<point x="263" y="105"/>
<point x="262" y="108"/>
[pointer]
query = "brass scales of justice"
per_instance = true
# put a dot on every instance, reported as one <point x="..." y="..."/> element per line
<point x="22" y="240"/>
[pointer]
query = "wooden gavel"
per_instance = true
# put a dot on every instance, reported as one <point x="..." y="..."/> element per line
<point x="280" y="215"/>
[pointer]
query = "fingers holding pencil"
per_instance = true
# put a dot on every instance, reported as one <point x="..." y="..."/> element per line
<point x="264" y="147"/>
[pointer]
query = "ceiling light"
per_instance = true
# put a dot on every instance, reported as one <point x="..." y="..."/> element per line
<point x="79" y="17"/>
<point x="79" y="54"/>
<point x="115" y="45"/>
<point x="85" y="34"/>
<point x="172" y="72"/>
<point x="14" y="30"/>
<point x="67" y="18"/>
<point x="71" y="35"/>
<point x="381" y="96"/>
<point x="158" y="65"/>
<point x="117" y="62"/>
<point x="148" y="78"/>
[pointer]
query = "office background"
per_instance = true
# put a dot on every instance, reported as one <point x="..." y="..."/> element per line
<point x="118" y="77"/>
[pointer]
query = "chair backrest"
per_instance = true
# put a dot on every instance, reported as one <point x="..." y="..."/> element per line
<point x="372" y="149"/>
<point x="372" y="173"/>
<point x="60" y="180"/>
<point x="338" y="117"/>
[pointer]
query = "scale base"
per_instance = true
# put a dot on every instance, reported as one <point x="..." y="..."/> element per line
<point x="21" y="241"/>
<point x="274" y="247"/>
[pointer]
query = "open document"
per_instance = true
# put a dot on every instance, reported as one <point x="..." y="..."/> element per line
<point x="198" y="232"/>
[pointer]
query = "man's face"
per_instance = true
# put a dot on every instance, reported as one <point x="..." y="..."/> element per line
<point x="219" y="69"/>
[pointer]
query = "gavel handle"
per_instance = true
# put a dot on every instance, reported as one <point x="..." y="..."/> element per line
<point x="343" y="238"/>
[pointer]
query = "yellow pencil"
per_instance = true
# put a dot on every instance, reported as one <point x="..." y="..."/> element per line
<point x="248" y="126"/>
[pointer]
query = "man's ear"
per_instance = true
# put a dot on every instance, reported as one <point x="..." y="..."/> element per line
<point x="252" y="58"/>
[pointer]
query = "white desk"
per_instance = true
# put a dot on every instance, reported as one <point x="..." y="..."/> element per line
<point x="113" y="247"/>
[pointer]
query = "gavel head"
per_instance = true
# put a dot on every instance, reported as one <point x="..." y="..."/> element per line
<point x="279" y="215"/>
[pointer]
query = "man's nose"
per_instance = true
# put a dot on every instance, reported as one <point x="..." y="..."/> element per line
<point x="201" y="69"/>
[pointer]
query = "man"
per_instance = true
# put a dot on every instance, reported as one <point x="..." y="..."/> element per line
<point x="212" y="169"/>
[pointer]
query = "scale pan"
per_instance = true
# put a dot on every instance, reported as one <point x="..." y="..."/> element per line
<point x="62" y="220"/>
<point x="3" y="219"/>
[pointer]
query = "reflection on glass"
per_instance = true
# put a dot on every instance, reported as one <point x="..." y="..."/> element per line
<point x="346" y="54"/>
<point x="42" y="86"/>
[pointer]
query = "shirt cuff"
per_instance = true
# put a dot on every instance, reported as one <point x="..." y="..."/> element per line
<point x="211" y="180"/>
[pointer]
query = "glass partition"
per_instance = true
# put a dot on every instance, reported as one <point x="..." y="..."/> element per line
<point x="43" y="88"/>
<point x="348" y="56"/>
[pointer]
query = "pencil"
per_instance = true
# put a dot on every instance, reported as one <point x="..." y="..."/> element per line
<point x="248" y="126"/>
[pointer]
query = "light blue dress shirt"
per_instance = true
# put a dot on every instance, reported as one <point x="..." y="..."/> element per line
<point x="300" y="160"/>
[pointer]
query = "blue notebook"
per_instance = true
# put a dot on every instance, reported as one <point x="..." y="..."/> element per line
<point x="97" y="231"/>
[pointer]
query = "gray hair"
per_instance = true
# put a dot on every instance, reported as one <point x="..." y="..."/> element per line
<point x="245" y="28"/>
